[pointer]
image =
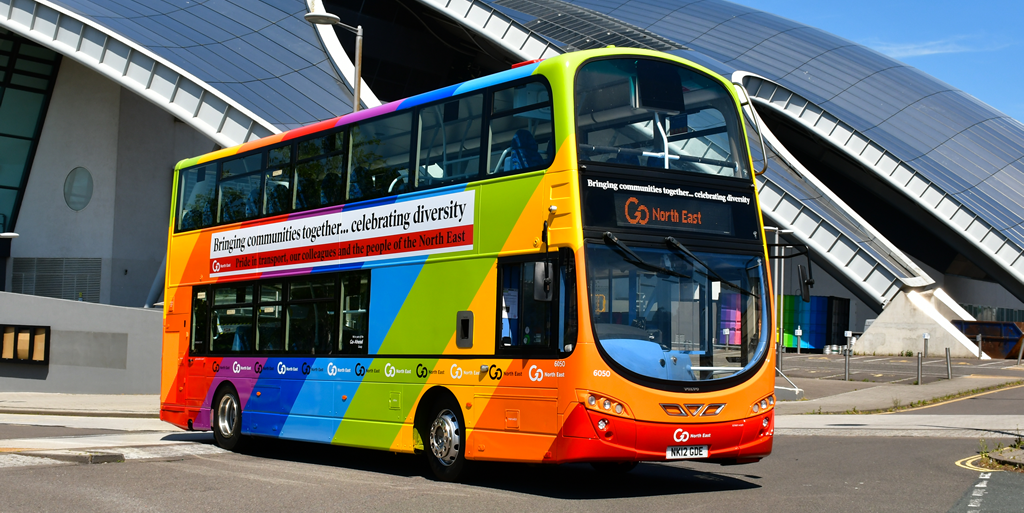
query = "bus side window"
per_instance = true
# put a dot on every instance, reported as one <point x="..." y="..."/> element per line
<point x="197" y="204"/>
<point x="521" y="129"/>
<point x="200" y="321"/>
<point x="449" y="141"/>
<point x="232" y="319"/>
<point x="239" y="188"/>
<point x="525" y="324"/>
<point x="355" y="314"/>
<point x="379" y="160"/>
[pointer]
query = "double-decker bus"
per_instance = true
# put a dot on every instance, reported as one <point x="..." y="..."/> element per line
<point x="562" y="262"/>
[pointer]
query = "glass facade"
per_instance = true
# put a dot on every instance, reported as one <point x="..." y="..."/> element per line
<point x="27" y="74"/>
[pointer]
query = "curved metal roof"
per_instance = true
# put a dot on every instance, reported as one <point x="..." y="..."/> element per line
<point x="956" y="158"/>
<point x="261" y="54"/>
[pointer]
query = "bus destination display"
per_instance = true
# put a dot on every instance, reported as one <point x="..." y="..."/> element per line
<point x="651" y="206"/>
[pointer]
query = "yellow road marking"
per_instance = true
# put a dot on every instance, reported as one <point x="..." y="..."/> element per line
<point x="968" y="463"/>
<point x="14" y="449"/>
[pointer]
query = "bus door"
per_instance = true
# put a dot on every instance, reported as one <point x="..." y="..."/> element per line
<point x="522" y="415"/>
<point x="199" y="368"/>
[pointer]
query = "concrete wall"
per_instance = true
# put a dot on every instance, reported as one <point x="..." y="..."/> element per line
<point x="901" y="327"/>
<point x="130" y="147"/>
<point x="150" y="143"/>
<point x="80" y="130"/>
<point x="94" y="349"/>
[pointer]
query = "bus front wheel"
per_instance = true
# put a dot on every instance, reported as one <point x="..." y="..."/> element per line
<point x="227" y="419"/>
<point x="446" y="439"/>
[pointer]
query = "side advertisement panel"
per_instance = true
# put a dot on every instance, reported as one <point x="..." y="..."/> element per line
<point x="422" y="226"/>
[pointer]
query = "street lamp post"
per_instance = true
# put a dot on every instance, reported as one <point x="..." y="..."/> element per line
<point x="326" y="18"/>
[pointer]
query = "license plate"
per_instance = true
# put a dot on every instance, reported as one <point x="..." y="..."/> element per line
<point x="682" y="452"/>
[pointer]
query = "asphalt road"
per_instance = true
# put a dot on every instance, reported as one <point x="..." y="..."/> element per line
<point x="804" y="474"/>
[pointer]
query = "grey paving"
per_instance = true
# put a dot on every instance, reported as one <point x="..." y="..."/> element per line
<point x="886" y="395"/>
<point x="104" y="405"/>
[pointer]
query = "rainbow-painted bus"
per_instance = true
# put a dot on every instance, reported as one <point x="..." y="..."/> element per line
<point x="561" y="262"/>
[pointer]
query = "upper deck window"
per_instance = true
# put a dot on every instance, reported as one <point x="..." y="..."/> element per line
<point x="521" y="130"/>
<point x="655" y="114"/>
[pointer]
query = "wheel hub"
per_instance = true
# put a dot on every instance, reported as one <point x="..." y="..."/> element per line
<point x="227" y="410"/>
<point x="445" y="437"/>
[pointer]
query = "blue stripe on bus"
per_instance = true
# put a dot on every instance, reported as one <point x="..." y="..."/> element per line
<point x="311" y="429"/>
<point x="499" y="78"/>
<point x="420" y="99"/>
<point x="389" y="286"/>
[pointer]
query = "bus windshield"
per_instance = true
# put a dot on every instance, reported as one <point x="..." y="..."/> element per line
<point x="655" y="114"/>
<point x="674" y="315"/>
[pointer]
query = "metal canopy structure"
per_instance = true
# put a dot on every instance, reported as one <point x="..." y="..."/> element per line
<point x="956" y="164"/>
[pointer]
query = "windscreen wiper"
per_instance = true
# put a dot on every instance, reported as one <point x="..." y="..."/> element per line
<point x="610" y="237"/>
<point x="675" y="244"/>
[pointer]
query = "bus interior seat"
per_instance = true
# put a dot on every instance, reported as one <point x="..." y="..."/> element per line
<point x="279" y="199"/>
<point x="272" y="335"/>
<point x="629" y="160"/>
<point x="524" y="153"/>
<point x="243" y="339"/>
<point x="657" y="162"/>
<point x="252" y="203"/>
<point x="332" y="189"/>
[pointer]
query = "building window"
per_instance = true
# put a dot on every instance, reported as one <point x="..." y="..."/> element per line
<point x="78" y="188"/>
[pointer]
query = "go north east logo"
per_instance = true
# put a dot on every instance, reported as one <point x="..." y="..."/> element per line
<point x="333" y="370"/>
<point x="422" y="371"/>
<point x="538" y="374"/>
<point x="390" y="370"/>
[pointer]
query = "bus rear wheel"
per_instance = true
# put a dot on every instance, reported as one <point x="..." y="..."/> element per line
<point x="227" y="419"/>
<point x="446" y="440"/>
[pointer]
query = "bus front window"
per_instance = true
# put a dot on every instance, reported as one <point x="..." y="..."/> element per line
<point x="677" y="316"/>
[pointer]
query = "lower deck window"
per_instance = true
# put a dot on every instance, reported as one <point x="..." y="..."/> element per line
<point x="311" y="315"/>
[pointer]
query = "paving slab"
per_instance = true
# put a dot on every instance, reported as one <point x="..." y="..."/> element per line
<point x="1008" y="456"/>
<point x="98" y="405"/>
<point x="100" y="442"/>
<point x="78" y="456"/>
<point x="883" y="396"/>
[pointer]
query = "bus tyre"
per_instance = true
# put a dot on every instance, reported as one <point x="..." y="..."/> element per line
<point x="613" y="467"/>
<point x="227" y="419"/>
<point x="446" y="439"/>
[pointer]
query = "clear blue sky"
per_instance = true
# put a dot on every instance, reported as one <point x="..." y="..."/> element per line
<point x="974" y="45"/>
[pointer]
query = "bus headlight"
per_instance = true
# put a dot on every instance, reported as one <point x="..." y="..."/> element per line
<point x="603" y="403"/>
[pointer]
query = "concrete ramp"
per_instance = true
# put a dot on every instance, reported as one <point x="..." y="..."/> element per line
<point x="905" y="320"/>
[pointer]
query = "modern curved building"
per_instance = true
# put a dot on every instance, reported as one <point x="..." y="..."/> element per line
<point x="895" y="181"/>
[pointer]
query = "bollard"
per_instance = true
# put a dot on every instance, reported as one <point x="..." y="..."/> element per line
<point x="1020" y="351"/>
<point x="980" y="353"/>
<point x="847" y="371"/>
<point x="798" y="332"/>
<point x="949" y="367"/>
<point x="926" y="337"/>
<point x="919" y="368"/>
<point x="782" y="351"/>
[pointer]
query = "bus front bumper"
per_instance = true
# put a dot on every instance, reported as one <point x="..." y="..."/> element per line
<point x="622" y="439"/>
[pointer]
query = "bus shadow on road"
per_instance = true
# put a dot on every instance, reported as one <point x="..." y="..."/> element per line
<point x="578" y="481"/>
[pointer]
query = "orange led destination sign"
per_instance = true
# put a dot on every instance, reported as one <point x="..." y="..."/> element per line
<point x="668" y="207"/>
